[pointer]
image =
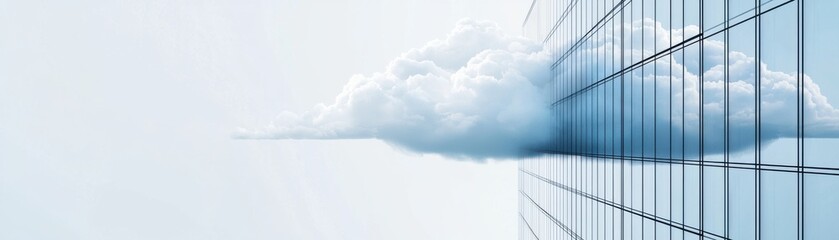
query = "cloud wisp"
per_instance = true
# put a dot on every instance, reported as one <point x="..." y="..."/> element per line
<point x="478" y="93"/>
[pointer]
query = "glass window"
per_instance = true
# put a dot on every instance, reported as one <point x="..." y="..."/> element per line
<point x="740" y="11"/>
<point x="820" y="211"/>
<point x="778" y="86"/>
<point x="820" y="50"/>
<point x="742" y="98"/>
<point x="714" y="15"/>
<point x="714" y="204"/>
<point x="743" y="202"/>
<point x="713" y="98"/>
<point x="778" y="205"/>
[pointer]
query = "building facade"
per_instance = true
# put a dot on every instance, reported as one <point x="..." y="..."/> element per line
<point x="686" y="119"/>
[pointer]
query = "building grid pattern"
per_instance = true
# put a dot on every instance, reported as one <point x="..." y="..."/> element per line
<point x="622" y="165"/>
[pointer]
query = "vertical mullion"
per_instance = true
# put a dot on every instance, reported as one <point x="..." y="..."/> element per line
<point x="683" y="119"/>
<point x="800" y="75"/>
<point x="655" y="119"/>
<point x="759" y="165"/>
<point x="726" y="129"/>
<point x="670" y="117"/>
<point x="622" y="124"/>
<point x="701" y="118"/>
<point x="643" y="125"/>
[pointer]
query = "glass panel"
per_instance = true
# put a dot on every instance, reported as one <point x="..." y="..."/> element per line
<point x="714" y="15"/>
<point x="741" y="78"/>
<point x="677" y="197"/>
<point x="713" y="98"/>
<point x="742" y="200"/>
<point x="778" y="205"/>
<point x="714" y="200"/>
<point x="662" y="231"/>
<point x="662" y="16"/>
<point x="677" y="103"/>
<point x="648" y="176"/>
<point x="740" y="11"/>
<point x="648" y="24"/>
<point x="637" y="112"/>
<point x="691" y="18"/>
<point x="767" y="5"/>
<point x="663" y="178"/>
<point x="649" y="229"/>
<point x="662" y="97"/>
<point x="648" y="110"/>
<point x="820" y="211"/>
<point x="635" y="14"/>
<point x="778" y="86"/>
<point x="820" y="50"/>
<point x="691" y="101"/>
<point x="691" y="196"/>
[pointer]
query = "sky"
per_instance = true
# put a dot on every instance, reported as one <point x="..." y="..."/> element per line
<point x="116" y="120"/>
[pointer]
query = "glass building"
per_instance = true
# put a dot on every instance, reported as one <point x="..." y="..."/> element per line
<point x="677" y="119"/>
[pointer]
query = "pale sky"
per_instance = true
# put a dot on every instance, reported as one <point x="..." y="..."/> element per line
<point x="116" y="116"/>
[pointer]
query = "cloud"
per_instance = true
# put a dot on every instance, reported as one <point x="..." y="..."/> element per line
<point x="479" y="93"/>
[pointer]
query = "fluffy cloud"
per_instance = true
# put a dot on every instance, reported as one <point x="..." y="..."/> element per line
<point x="479" y="93"/>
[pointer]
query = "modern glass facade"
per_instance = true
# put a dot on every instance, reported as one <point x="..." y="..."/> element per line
<point x="677" y="119"/>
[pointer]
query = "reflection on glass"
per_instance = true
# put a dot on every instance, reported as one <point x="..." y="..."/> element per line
<point x="688" y="120"/>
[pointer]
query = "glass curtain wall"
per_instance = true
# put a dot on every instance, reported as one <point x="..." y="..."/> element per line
<point x="677" y="119"/>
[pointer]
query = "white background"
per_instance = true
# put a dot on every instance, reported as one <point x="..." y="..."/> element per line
<point x="115" y="119"/>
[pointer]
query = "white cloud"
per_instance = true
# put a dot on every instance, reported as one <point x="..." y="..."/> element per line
<point x="479" y="94"/>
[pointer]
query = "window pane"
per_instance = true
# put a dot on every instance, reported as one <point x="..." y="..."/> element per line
<point x="820" y="70"/>
<point x="778" y="206"/>
<point x="820" y="211"/>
